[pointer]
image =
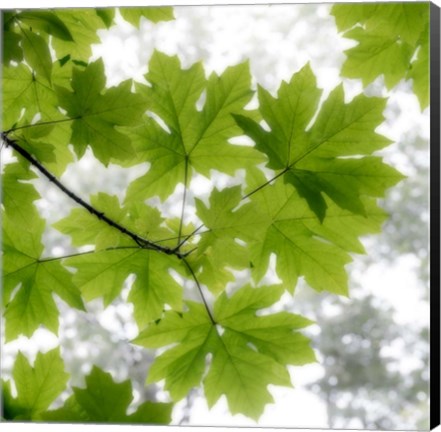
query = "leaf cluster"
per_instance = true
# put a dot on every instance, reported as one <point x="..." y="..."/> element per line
<point x="310" y="183"/>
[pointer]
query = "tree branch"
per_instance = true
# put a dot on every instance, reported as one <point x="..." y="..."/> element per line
<point x="141" y="242"/>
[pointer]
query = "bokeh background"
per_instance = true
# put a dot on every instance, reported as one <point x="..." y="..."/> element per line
<point x="373" y="347"/>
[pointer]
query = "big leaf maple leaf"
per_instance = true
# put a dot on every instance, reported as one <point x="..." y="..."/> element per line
<point x="329" y="158"/>
<point x="248" y="351"/>
<point x="186" y="138"/>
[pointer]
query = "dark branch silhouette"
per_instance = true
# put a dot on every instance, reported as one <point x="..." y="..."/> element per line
<point x="140" y="241"/>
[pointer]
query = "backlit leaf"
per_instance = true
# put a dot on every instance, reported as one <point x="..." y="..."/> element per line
<point x="250" y="355"/>
<point x="46" y="21"/>
<point x="194" y="138"/>
<point x="324" y="160"/>
<point x="106" y="401"/>
<point x="96" y="114"/>
<point x="36" y="278"/>
<point x="37" y="54"/>
<point x="37" y="386"/>
<point x="155" y="14"/>
<point x="102" y="274"/>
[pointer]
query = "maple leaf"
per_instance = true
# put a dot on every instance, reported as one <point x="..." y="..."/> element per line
<point x="228" y="340"/>
<point x="217" y="250"/>
<point x="95" y="114"/>
<point x="18" y="195"/>
<point x="277" y="220"/>
<point x="21" y="88"/>
<point x="375" y="55"/>
<point x="192" y="138"/>
<point x="390" y="35"/>
<point x="36" y="53"/>
<point x="155" y="14"/>
<point x="104" y="400"/>
<point x="46" y="21"/>
<point x="317" y="161"/>
<point x="37" y="387"/>
<point x="36" y="278"/>
<point x="82" y="25"/>
<point x="102" y="274"/>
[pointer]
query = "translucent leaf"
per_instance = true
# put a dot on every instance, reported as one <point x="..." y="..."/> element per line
<point x="189" y="139"/>
<point x="46" y="21"/>
<point x="155" y="14"/>
<point x="276" y="220"/>
<point x="96" y="114"/>
<point x="37" y="386"/>
<point x="37" y="279"/>
<point x="106" y="401"/>
<point x="245" y="358"/>
<point x="329" y="158"/>
<point x="388" y="36"/>
<point x="102" y="274"/>
<point x="37" y="54"/>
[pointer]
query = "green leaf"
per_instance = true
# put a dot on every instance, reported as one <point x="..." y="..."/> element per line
<point x="82" y="24"/>
<point x="96" y="114"/>
<point x="107" y="15"/>
<point x="392" y="20"/>
<point x="46" y="21"/>
<point x="189" y="139"/>
<point x="271" y="334"/>
<point x="37" y="279"/>
<point x="278" y="221"/>
<point x="12" y="50"/>
<point x="249" y="355"/>
<point x="217" y="250"/>
<point x="102" y="274"/>
<point x="389" y="36"/>
<point x="328" y="159"/>
<point x="376" y="55"/>
<point x="21" y="89"/>
<point x="86" y="229"/>
<point x="18" y="196"/>
<point x="155" y="14"/>
<point x="106" y="401"/>
<point x="37" y="386"/>
<point x="36" y="53"/>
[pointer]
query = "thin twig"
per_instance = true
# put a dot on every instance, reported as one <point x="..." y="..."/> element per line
<point x="189" y="236"/>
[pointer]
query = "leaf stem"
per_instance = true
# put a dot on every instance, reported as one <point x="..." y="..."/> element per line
<point x="184" y="198"/>
<point x="200" y="290"/>
<point x="45" y="123"/>
<point x="86" y="253"/>
<point x="266" y="183"/>
<point x="188" y="237"/>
